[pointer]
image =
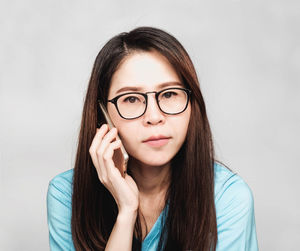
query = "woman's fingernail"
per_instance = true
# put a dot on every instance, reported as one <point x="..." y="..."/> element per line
<point x="103" y="127"/>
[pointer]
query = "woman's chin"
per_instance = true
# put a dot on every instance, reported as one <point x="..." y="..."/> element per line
<point x="151" y="160"/>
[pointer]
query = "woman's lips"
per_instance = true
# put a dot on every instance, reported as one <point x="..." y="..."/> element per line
<point x="157" y="142"/>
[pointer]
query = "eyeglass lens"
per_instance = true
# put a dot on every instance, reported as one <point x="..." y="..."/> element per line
<point x="171" y="101"/>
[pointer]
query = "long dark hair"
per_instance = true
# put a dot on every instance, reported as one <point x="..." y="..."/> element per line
<point x="191" y="220"/>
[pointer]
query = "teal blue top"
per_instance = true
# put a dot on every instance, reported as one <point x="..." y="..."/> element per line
<point x="234" y="210"/>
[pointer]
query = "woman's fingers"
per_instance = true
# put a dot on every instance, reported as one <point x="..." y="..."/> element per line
<point x="102" y="142"/>
<point x="110" y="169"/>
<point x="95" y="145"/>
<point x="100" y="152"/>
<point x="98" y="138"/>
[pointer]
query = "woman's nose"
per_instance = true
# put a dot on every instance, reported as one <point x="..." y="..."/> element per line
<point x="153" y="114"/>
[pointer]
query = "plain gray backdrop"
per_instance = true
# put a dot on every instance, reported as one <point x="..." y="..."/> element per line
<point x="247" y="58"/>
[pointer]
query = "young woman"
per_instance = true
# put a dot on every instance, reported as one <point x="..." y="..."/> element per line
<point x="175" y="195"/>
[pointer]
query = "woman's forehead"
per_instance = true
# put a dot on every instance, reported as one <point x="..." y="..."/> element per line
<point x="144" y="71"/>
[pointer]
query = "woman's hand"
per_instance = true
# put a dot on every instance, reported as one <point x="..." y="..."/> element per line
<point x="124" y="190"/>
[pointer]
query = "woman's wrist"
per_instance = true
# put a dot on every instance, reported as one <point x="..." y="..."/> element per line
<point x="127" y="216"/>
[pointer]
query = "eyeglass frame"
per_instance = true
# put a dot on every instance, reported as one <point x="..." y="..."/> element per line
<point x="115" y="99"/>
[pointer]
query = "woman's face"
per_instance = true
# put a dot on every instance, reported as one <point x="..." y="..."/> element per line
<point x="146" y="71"/>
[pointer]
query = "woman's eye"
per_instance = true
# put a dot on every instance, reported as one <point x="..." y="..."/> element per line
<point x="169" y="94"/>
<point x="131" y="99"/>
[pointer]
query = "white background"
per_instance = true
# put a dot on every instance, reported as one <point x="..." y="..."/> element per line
<point x="247" y="58"/>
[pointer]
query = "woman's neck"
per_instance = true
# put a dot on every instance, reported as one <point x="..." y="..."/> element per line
<point x="151" y="180"/>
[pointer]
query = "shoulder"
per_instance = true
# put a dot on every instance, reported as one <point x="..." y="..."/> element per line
<point x="60" y="187"/>
<point x="230" y="186"/>
<point x="235" y="211"/>
<point x="59" y="211"/>
<point x="63" y="180"/>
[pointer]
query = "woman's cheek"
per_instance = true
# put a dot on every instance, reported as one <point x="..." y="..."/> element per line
<point x="127" y="141"/>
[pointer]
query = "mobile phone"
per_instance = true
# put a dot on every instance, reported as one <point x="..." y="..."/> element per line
<point x="120" y="156"/>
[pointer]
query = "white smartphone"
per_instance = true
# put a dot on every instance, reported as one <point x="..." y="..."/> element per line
<point x="120" y="156"/>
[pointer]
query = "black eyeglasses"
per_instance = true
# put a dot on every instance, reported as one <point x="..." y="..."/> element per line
<point x="132" y="105"/>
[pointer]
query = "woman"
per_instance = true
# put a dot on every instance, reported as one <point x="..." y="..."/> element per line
<point x="175" y="195"/>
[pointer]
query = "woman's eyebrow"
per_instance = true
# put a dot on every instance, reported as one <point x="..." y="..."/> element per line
<point x="134" y="88"/>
